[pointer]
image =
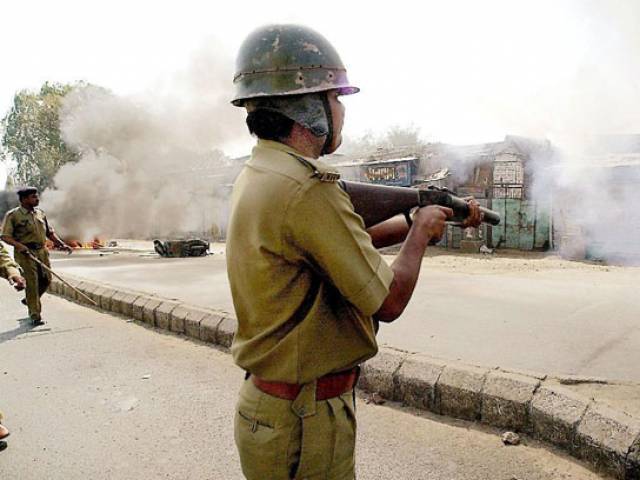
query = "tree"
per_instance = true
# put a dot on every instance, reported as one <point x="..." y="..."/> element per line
<point x="395" y="136"/>
<point x="32" y="137"/>
<point x="403" y="136"/>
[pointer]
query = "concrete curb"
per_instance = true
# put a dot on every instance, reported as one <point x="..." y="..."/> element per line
<point x="607" y="439"/>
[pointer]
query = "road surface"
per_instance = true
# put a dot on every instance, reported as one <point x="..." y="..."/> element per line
<point x="90" y="395"/>
<point x="532" y="313"/>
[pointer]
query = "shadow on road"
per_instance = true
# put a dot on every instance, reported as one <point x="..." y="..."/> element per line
<point x="24" y="327"/>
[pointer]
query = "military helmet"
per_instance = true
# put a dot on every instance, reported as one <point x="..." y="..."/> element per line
<point x="278" y="60"/>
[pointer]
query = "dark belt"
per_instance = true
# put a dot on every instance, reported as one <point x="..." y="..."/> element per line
<point x="34" y="246"/>
<point x="329" y="386"/>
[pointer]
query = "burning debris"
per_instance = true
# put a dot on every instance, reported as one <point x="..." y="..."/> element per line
<point x="181" y="248"/>
<point x="94" y="244"/>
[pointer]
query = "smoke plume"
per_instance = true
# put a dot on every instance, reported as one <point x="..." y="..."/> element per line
<point x="593" y="119"/>
<point x="151" y="164"/>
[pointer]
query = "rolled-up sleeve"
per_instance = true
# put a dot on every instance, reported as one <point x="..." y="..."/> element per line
<point x="325" y="230"/>
<point x="10" y="272"/>
<point x="8" y="268"/>
<point x="7" y="226"/>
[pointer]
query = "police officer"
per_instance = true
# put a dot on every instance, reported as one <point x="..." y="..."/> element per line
<point x="10" y="271"/>
<point x="26" y="228"/>
<point x="308" y="285"/>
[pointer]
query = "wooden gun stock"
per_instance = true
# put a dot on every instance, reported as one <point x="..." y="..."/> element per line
<point x="377" y="203"/>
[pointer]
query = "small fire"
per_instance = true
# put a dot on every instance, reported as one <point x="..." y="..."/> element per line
<point x="94" y="244"/>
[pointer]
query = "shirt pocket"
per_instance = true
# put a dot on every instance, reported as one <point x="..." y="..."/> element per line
<point x="22" y="227"/>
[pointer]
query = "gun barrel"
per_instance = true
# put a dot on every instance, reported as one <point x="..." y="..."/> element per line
<point x="459" y="206"/>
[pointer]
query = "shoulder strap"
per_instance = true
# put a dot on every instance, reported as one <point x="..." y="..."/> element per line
<point x="330" y="177"/>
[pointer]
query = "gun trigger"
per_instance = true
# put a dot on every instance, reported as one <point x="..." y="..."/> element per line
<point x="407" y="216"/>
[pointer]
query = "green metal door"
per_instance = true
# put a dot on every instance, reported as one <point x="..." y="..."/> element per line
<point x="527" y="232"/>
<point x="507" y="234"/>
<point x="498" y="232"/>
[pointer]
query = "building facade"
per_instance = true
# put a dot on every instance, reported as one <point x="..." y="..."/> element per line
<point x="500" y="175"/>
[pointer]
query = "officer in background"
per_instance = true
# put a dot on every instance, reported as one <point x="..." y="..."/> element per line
<point x="308" y="285"/>
<point x="8" y="270"/>
<point x="26" y="228"/>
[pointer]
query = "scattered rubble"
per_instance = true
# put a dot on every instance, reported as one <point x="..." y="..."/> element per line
<point x="510" y="438"/>
<point x="374" y="398"/>
<point x="577" y="380"/>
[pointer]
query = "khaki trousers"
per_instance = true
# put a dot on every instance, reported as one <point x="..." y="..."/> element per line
<point x="300" y="439"/>
<point x="37" y="278"/>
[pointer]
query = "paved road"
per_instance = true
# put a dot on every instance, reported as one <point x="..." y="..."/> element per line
<point x="565" y="318"/>
<point x="91" y="396"/>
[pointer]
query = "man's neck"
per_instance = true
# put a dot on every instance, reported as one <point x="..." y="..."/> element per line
<point x="304" y="141"/>
<point x="28" y="208"/>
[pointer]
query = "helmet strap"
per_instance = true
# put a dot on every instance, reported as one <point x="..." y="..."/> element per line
<point x="327" y="111"/>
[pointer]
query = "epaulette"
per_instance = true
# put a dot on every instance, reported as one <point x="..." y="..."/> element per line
<point x="329" y="177"/>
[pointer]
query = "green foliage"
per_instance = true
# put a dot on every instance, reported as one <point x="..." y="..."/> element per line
<point x="403" y="136"/>
<point x="32" y="137"/>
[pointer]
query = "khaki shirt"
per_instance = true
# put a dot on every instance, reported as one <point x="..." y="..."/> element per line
<point x="305" y="277"/>
<point x="8" y="268"/>
<point x="25" y="226"/>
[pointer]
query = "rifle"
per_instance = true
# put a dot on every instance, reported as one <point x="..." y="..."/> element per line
<point x="377" y="203"/>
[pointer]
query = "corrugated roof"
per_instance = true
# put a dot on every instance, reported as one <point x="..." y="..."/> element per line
<point x="375" y="162"/>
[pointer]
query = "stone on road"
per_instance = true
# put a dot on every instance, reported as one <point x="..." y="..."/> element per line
<point x="89" y="395"/>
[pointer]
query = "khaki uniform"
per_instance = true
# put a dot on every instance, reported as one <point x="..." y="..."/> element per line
<point x="30" y="229"/>
<point x="8" y="268"/>
<point x="305" y="280"/>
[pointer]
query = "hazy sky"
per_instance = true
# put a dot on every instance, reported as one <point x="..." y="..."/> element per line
<point x="462" y="71"/>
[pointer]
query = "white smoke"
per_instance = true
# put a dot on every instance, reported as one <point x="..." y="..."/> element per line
<point x="594" y="182"/>
<point x="151" y="164"/>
